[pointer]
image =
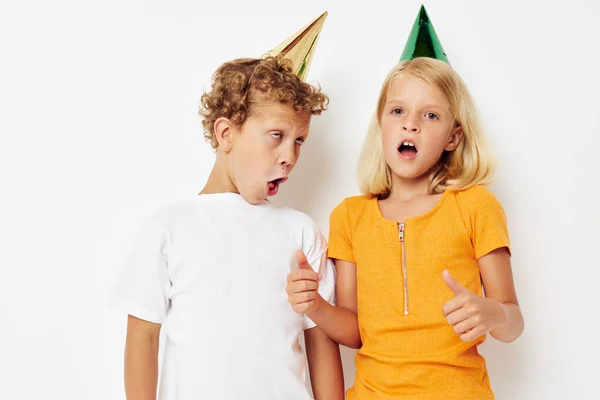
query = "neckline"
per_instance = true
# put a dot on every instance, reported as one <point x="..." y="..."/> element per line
<point x="227" y="197"/>
<point x="415" y="218"/>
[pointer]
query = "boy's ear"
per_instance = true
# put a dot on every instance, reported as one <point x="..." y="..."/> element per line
<point x="223" y="129"/>
<point x="455" y="138"/>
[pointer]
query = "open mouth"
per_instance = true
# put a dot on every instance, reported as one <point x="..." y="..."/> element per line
<point x="273" y="186"/>
<point x="407" y="150"/>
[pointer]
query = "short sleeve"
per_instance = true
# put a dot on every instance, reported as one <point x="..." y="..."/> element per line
<point x="489" y="228"/>
<point x="315" y="248"/>
<point x="340" y="238"/>
<point x="143" y="286"/>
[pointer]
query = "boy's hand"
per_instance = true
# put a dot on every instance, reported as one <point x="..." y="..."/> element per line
<point x="471" y="315"/>
<point x="302" y="286"/>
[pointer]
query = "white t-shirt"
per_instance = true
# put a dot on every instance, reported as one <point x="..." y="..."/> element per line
<point x="213" y="270"/>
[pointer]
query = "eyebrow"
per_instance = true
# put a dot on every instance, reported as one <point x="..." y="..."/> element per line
<point x="429" y="106"/>
<point x="278" y="125"/>
<point x="285" y="128"/>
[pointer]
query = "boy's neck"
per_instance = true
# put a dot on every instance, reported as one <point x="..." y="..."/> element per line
<point x="219" y="180"/>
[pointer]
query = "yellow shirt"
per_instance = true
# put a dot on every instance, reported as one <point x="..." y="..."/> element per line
<point x="409" y="350"/>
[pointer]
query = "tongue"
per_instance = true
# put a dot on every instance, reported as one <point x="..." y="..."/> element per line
<point x="272" y="188"/>
<point x="408" y="151"/>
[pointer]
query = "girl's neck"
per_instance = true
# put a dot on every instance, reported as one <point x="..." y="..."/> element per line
<point x="407" y="189"/>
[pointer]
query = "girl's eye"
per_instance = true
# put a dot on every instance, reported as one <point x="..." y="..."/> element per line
<point x="300" y="140"/>
<point x="397" y="111"/>
<point x="276" y="135"/>
<point x="431" y="116"/>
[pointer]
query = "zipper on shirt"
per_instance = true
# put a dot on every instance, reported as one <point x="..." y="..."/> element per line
<point x="401" y="239"/>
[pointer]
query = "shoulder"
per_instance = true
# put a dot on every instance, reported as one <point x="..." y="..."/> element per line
<point x="166" y="216"/>
<point x="303" y="228"/>
<point x="295" y="219"/>
<point x="351" y="207"/>
<point x="175" y="209"/>
<point x="478" y="199"/>
<point x="478" y="194"/>
<point x="353" y="202"/>
<point x="298" y="218"/>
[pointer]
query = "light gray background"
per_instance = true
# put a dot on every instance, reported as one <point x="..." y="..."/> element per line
<point x="99" y="128"/>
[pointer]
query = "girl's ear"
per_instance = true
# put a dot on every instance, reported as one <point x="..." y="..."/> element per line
<point x="455" y="138"/>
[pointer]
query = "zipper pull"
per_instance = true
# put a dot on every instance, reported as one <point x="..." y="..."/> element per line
<point x="401" y="231"/>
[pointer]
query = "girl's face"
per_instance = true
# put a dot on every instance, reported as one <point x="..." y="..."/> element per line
<point x="417" y="127"/>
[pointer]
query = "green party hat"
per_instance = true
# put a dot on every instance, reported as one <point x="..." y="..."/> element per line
<point x="423" y="41"/>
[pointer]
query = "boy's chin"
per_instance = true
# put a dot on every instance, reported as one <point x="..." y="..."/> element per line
<point x="254" y="197"/>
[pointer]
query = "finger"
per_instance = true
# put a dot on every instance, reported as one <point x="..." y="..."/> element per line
<point x="303" y="274"/>
<point x="300" y="298"/>
<point x="302" y="286"/>
<point x="473" y="334"/>
<point x="454" y="304"/>
<point x="456" y="287"/>
<point x="303" y="307"/>
<point x="465" y="326"/>
<point x="457" y="316"/>
<point x="303" y="297"/>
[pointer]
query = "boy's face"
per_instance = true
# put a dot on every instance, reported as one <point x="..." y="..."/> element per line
<point x="265" y="149"/>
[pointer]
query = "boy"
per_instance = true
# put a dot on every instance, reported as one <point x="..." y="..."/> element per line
<point x="214" y="268"/>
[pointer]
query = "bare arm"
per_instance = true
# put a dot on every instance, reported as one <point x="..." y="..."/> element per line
<point x="340" y="323"/>
<point x="496" y="275"/>
<point x="497" y="313"/>
<point x="325" y="365"/>
<point x="141" y="359"/>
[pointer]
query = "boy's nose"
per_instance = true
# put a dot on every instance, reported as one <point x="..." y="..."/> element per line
<point x="287" y="159"/>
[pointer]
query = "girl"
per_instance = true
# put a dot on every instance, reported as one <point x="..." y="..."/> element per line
<point x="415" y="251"/>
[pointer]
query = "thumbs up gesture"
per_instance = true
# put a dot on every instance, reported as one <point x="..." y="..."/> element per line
<point x="469" y="314"/>
<point x="302" y="285"/>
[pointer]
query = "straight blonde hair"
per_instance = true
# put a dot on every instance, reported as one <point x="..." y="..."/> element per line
<point x="471" y="163"/>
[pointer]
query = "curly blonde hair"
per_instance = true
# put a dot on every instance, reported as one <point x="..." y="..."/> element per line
<point x="238" y="86"/>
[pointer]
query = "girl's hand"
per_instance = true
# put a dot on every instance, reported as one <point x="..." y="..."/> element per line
<point x="302" y="286"/>
<point x="471" y="315"/>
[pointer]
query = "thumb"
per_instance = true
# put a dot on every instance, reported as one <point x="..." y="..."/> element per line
<point x="303" y="262"/>
<point x="456" y="287"/>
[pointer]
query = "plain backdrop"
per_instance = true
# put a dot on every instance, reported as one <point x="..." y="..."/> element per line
<point x="99" y="128"/>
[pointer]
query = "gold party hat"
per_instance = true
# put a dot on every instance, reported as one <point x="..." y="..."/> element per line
<point x="300" y="47"/>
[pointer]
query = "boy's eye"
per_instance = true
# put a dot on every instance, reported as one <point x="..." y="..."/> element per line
<point x="276" y="135"/>
<point x="431" y="116"/>
<point x="300" y="140"/>
<point x="397" y="111"/>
